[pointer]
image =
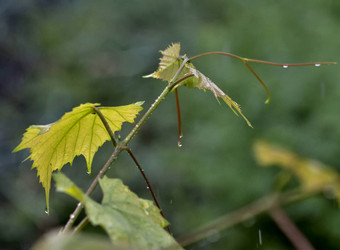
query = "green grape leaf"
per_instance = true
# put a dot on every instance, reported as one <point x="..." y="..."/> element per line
<point x="55" y="240"/>
<point x="79" y="132"/>
<point x="128" y="220"/>
<point x="200" y="81"/>
<point x="313" y="175"/>
<point x="169" y="64"/>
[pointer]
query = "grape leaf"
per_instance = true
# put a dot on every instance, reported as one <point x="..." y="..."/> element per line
<point x="313" y="175"/>
<point x="169" y="65"/>
<point x="79" y="132"/>
<point x="202" y="82"/>
<point x="128" y="220"/>
<point x="54" y="240"/>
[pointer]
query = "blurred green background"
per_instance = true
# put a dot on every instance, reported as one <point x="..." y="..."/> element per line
<point x="55" y="55"/>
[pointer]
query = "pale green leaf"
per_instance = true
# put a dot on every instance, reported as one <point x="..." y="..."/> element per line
<point x="313" y="175"/>
<point x="169" y="64"/>
<point x="202" y="82"/>
<point x="127" y="219"/>
<point x="79" y="132"/>
<point x="67" y="241"/>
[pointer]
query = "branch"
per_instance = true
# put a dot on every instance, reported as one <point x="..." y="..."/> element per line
<point x="148" y="184"/>
<point x="94" y="183"/>
<point x="288" y="227"/>
<point x="260" y="206"/>
<point x="245" y="60"/>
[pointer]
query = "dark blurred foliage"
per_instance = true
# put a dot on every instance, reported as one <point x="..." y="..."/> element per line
<point x="55" y="55"/>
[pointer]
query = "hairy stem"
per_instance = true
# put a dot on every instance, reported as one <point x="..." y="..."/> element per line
<point x="153" y="107"/>
<point x="94" y="183"/>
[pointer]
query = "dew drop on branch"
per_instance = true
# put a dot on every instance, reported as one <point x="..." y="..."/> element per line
<point x="285" y="66"/>
<point x="46" y="212"/>
<point x="317" y="64"/>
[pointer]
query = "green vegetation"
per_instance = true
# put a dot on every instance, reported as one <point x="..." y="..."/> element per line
<point x="56" y="56"/>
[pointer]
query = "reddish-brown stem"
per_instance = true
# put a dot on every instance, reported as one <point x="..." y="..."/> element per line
<point x="147" y="183"/>
<point x="260" y="61"/>
<point x="260" y="80"/>
<point x="288" y="227"/>
<point x="180" y="133"/>
<point x="246" y="60"/>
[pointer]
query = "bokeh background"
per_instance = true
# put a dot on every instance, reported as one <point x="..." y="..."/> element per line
<point x="55" y="55"/>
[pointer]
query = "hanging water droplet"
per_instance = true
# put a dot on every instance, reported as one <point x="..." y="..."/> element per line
<point x="72" y="216"/>
<point x="179" y="144"/>
<point x="317" y="64"/>
<point x="285" y="66"/>
<point x="46" y="212"/>
<point x="147" y="187"/>
<point x="88" y="172"/>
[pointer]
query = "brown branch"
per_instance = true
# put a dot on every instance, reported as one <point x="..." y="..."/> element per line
<point x="147" y="183"/>
<point x="291" y="231"/>
<point x="180" y="132"/>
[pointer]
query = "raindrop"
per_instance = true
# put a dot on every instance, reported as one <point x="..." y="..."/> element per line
<point x="147" y="187"/>
<point x="46" y="212"/>
<point x="285" y="66"/>
<point x="72" y="216"/>
<point x="179" y="144"/>
<point x="79" y="204"/>
<point x="260" y="237"/>
<point x="317" y="64"/>
<point x="88" y="172"/>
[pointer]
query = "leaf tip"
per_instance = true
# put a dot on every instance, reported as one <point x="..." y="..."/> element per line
<point x="140" y="103"/>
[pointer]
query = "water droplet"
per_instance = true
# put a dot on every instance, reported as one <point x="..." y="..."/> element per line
<point x="317" y="64"/>
<point x="179" y="144"/>
<point x="147" y="188"/>
<point x="285" y="66"/>
<point x="72" y="216"/>
<point x="46" y="212"/>
<point x="260" y="237"/>
<point x="88" y="172"/>
<point x="79" y="204"/>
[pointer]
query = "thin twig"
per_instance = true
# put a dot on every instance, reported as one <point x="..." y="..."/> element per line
<point x="147" y="183"/>
<point x="260" y="206"/>
<point x="289" y="228"/>
<point x="179" y="120"/>
<point x="81" y="225"/>
<point x="245" y="60"/>
<point x="260" y="61"/>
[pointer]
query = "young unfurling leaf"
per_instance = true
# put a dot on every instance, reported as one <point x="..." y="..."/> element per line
<point x="130" y="222"/>
<point x="171" y="62"/>
<point x="202" y="82"/>
<point x="79" y="132"/>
